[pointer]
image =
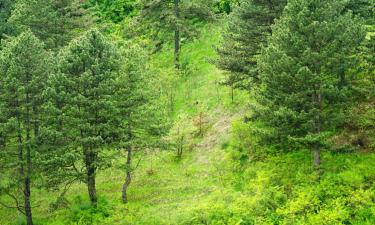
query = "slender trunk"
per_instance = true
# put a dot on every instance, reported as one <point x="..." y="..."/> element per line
<point x="181" y="145"/>
<point x="128" y="178"/>
<point x="178" y="142"/>
<point x="317" y="149"/>
<point x="177" y="35"/>
<point x="171" y="102"/>
<point x="232" y="93"/>
<point x="201" y="124"/>
<point x="27" y="190"/>
<point x="26" y="179"/>
<point x="91" y="170"/>
<point x="317" y="159"/>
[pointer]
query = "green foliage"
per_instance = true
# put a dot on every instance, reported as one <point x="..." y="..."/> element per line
<point x="83" y="213"/>
<point x="305" y="72"/>
<point x="245" y="143"/>
<point x="24" y="68"/>
<point x="159" y="19"/>
<point x="82" y="109"/>
<point x="6" y="7"/>
<point x="225" y="6"/>
<point x="95" y="92"/>
<point x="53" y="22"/>
<point x="247" y="30"/>
<point x="180" y="134"/>
<point x="280" y="190"/>
<point x="113" y="10"/>
<point x="141" y="122"/>
<point x="138" y="101"/>
<point x="363" y="8"/>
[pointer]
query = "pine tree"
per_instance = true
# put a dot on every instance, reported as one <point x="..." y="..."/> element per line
<point x="113" y="10"/>
<point x="24" y="69"/>
<point x="305" y="72"/>
<point x="82" y="109"/>
<point x="142" y="120"/>
<point x="248" y="28"/>
<point x="225" y="6"/>
<point x="6" y="7"/>
<point x="53" y="22"/>
<point x="177" y="16"/>
<point x="363" y="8"/>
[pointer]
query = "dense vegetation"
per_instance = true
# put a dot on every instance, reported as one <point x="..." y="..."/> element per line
<point x="187" y="112"/>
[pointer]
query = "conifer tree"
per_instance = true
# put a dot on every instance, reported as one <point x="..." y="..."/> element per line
<point x="113" y="10"/>
<point x="248" y="28"/>
<point x="305" y="72"/>
<point x="83" y="108"/>
<point x="177" y="16"/>
<point x="363" y="8"/>
<point x="53" y="22"/>
<point x="24" y="69"/>
<point x="6" y="7"/>
<point x="142" y="121"/>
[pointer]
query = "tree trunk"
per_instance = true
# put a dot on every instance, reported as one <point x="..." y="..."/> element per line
<point x="171" y="100"/>
<point x="91" y="170"/>
<point x="201" y="124"/>
<point x="27" y="190"/>
<point x="177" y="35"/>
<point x="128" y="178"/>
<point x="26" y="179"/>
<point x="318" y="122"/>
<point x="129" y="150"/>
<point x="27" y="193"/>
<point x="91" y="186"/>
<point x="317" y="157"/>
<point x="232" y="93"/>
<point x="182" y="145"/>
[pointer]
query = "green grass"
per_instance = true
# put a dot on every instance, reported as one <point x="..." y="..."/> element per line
<point x="213" y="183"/>
<point x="164" y="189"/>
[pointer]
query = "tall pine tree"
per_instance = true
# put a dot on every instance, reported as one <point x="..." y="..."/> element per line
<point x="55" y="22"/>
<point x="173" y="16"/>
<point x="363" y="8"/>
<point x="142" y="121"/>
<point x="305" y="72"/>
<point x="247" y="31"/>
<point x="82" y="108"/>
<point x="24" y="69"/>
<point x="6" y="7"/>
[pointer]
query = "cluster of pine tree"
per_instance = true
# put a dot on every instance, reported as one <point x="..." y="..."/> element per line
<point x="302" y="59"/>
<point x="71" y="99"/>
<point x="66" y="98"/>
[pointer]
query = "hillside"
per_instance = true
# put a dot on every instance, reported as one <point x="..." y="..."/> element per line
<point x="209" y="185"/>
<point x="218" y="112"/>
<point x="163" y="184"/>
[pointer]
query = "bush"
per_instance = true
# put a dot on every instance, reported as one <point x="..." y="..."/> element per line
<point x="83" y="213"/>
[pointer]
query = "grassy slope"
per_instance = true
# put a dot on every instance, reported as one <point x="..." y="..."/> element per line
<point x="207" y="188"/>
<point x="164" y="189"/>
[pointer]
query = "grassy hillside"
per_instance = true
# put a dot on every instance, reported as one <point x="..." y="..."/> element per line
<point x="216" y="181"/>
<point x="164" y="187"/>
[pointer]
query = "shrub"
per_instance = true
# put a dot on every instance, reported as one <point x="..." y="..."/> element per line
<point x="83" y="213"/>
